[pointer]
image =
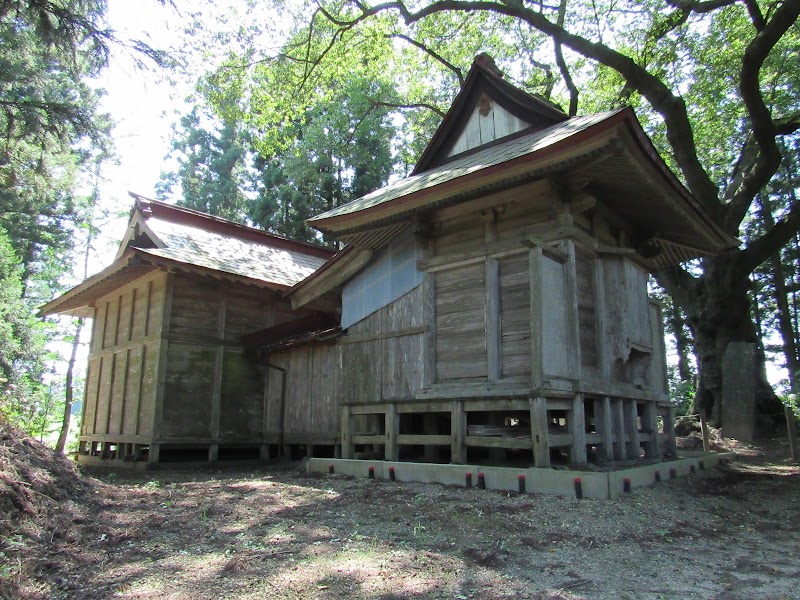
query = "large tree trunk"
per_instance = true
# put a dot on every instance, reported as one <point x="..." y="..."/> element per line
<point x="717" y="306"/>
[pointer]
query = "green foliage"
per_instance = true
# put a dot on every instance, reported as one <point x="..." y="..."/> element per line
<point x="23" y="396"/>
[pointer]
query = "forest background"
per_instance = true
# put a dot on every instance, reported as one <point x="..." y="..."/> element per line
<point x="287" y="109"/>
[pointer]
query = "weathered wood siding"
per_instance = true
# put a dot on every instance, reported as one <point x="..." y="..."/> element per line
<point x="461" y="324"/>
<point x="311" y="411"/>
<point x="555" y="324"/>
<point x="515" y="317"/>
<point x="121" y="381"/>
<point x="482" y="129"/>
<point x="213" y="391"/>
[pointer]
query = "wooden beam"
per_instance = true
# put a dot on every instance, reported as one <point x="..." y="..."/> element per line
<point x="493" y="349"/>
<point x="604" y="427"/>
<point x="537" y="317"/>
<point x="618" y="417"/>
<point x="458" y="428"/>
<point x="356" y="339"/>
<point x="650" y="419"/>
<point x="539" y="434"/>
<point x="576" y="423"/>
<point x="429" y="335"/>
<point x="347" y="432"/>
<point x="392" y="427"/>
<point x="427" y="440"/>
<point x="573" y="340"/>
<point x="632" y="429"/>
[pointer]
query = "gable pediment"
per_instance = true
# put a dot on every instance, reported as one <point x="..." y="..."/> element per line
<point x="488" y="109"/>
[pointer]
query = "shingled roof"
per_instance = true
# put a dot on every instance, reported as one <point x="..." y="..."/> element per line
<point x="162" y="235"/>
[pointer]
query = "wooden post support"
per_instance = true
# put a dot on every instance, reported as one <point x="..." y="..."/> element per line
<point x="576" y="423"/>
<point x="263" y="452"/>
<point x="536" y="317"/>
<point x="213" y="452"/>
<point x="392" y="425"/>
<point x="632" y="429"/>
<point x="494" y="355"/>
<point x="618" y="416"/>
<point x="429" y="337"/>
<point x="603" y="424"/>
<point x="541" y="447"/>
<point x="347" y="432"/>
<point x="650" y="419"/>
<point x="573" y="340"/>
<point x="154" y="453"/>
<point x="458" y="434"/>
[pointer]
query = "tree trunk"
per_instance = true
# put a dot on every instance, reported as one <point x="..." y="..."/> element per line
<point x="677" y="324"/>
<point x="717" y="307"/>
<point x="69" y="392"/>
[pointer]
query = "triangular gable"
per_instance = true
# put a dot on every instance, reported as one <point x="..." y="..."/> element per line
<point x="488" y="109"/>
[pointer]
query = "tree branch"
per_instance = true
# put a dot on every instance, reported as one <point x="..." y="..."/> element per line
<point x="436" y="56"/>
<point x="700" y="7"/>
<point x="768" y="157"/>
<point x="671" y="107"/>
<point x="562" y="64"/>
<point x="772" y="241"/>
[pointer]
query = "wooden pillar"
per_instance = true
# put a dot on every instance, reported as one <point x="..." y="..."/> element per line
<point x="429" y="336"/>
<point x="633" y="449"/>
<point x="536" y="317"/>
<point x="576" y="423"/>
<point x="618" y="417"/>
<point x="391" y="451"/>
<point x="263" y="452"/>
<point x="541" y="447"/>
<point x="154" y="453"/>
<point x="347" y="432"/>
<point x="650" y="418"/>
<point x="458" y="433"/>
<point x="213" y="452"/>
<point x="573" y="340"/>
<point x="216" y="393"/>
<point x="494" y="355"/>
<point x="602" y="420"/>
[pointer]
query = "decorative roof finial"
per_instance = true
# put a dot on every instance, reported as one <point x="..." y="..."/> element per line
<point x="487" y="62"/>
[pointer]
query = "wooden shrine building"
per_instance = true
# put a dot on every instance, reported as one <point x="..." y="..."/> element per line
<point x="492" y="306"/>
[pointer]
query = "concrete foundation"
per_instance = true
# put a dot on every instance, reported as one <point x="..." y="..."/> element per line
<point x="593" y="484"/>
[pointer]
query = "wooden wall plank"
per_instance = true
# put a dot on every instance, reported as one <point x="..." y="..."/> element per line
<point x="188" y="390"/>
<point x="241" y="395"/>
<point x="555" y="321"/>
<point x="515" y="317"/>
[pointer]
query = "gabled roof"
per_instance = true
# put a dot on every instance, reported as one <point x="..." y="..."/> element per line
<point x="506" y="110"/>
<point x="609" y="149"/>
<point x="162" y="235"/>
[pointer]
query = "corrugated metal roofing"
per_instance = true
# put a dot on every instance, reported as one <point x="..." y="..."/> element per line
<point x="191" y="244"/>
<point x="482" y="159"/>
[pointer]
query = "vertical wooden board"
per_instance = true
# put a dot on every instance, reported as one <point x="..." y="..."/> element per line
<point x="98" y="328"/>
<point x="638" y="304"/>
<point x="361" y="373"/>
<point x="104" y="395"/>
<point x="587" y="317"/>
<point x="472" y="131"/>
<point x="242" y="392"/>
<point x="188" y="388"/>
<point x="461" y="324"/>
<point x="148" y="388"/>
<point x="112" y="318"/>
<point x="273" y="392"/>
<point x="555" y="334"/>
<point x="324" y="417"/>
<point x="486" y="125"/>
<point x="92" y="383"/>
<point x="155" y="307"/>
<point x="515" y="324"/>
<point x="117" y="402"/>
<point x="132" y="391"/>
<point x="139" y="310"/>
<point x="195" y="306"/>
<point x="402" y="366"/>
<point x="405" y="312"/>
<point x="298" y="391"/>
<point x="125" y="317"/>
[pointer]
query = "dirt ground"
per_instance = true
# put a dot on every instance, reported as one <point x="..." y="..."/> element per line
<point x="280" y="533"/>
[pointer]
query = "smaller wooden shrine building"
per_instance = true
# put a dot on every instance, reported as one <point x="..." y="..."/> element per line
<point x="492" y="306"/>
<point x="168" y="378"/>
